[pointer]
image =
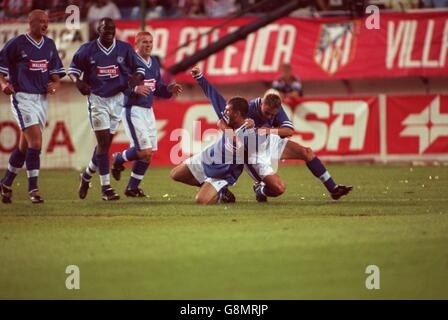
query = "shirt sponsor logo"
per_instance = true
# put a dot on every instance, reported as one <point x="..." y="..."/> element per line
<point x="151" y="83"/>
<point x="38" y="65"/>
<point x="108" y="71"/>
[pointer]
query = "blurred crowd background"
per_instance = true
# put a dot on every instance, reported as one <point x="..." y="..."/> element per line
<point x="172" y="9"/>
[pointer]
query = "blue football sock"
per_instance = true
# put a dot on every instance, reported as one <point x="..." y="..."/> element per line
<point x="138" y="171"/>
<point x="16" y="161"/>
<point x="103" y="168"/>
<point x="319" y="171"/>
<point x="127" y="155"/>
<point x="32" y="167"/>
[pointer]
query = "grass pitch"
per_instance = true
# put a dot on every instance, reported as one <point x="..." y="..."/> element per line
<point x="298" y="246"/>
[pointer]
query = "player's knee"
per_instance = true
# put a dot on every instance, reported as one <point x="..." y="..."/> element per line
<point x="145" y="155"/>
<point x="308" y="154"/>
<point x="35" y="144"/>
<point x="205" y="199"/>
<point x="174" y="174"/>
<point x="278" y="188"/>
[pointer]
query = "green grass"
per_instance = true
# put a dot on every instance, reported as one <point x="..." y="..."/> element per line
<point x="298" y="246"/>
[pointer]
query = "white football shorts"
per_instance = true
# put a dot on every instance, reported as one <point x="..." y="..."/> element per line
<point x="268" y="157"/>
<point x="105" y="113"/>
<point x="29" y="109"/>
<point x="194" y="163"/>
<point x="140" y="126"/>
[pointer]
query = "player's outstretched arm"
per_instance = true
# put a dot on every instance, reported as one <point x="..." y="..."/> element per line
<point x="6" y="87"/>
<point x="218" y="102"/>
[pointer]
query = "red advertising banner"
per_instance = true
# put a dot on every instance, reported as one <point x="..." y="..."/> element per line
<point x="417" y="125"/>
<point x="411" y="44"/>
<point x="330" y="126"/>
<point x="338" y="126"/>
<point x="395" y="128"/>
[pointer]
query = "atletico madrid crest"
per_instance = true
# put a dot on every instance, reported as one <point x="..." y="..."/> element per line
<point x="335" y="46"/>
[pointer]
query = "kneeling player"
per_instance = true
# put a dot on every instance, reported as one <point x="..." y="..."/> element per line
<point x="207" y="171"/>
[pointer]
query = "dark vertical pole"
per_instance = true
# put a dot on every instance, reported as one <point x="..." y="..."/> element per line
<point x="142" y="14"/>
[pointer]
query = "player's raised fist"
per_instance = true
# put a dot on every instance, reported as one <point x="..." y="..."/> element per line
<point x="83" y="87"/>
<point x="7" y="88"/>
<point x="175" y="88"/>
<point x="195" y="71"/>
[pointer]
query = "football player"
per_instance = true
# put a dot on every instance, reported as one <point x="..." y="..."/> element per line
<point x="220" y="165"/>
<point x="138" y="118"/>
<point x="109" y="68"/>
<point x="32" y="65"/>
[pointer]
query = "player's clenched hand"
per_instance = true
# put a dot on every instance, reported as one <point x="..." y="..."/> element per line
<point x="175" y="88"/>
<point x="143" y="90"/>
<point x="7" y="88"/>
<point x="195" y="71"/>
<point x="222" y="125"/>
<point x="53" y="86"/>
<point x="83" y="87"/>
<point x="249" y="123"/>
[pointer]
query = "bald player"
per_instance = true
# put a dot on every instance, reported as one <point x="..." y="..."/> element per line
<point x="30" y="68"/>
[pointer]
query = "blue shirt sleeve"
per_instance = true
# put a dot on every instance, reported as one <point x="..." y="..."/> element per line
<point x="161" y="88"/>
<point x="218" y="102"/>
<point x="7" y="57"/>
<point x="56" y="66"/>
<point x="133" y="62"/>
<point x="78" y="64"/>
<point x="281" y="120"/>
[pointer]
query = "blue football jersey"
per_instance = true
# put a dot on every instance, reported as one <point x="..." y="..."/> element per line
<point x="280" y="120"/>
<point x="29" y="64"/>
<point x="153" y="81"/>
<point x="106" y="70"/>
<point x="225" y="158"/>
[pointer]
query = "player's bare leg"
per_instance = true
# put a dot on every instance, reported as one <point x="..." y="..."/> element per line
<point x="207" y="194"/>
<point x="33" y="137"/>
<point x="104" y="139"/>
<point x="271" y="186"/>
<point x="182" y="173"/>
<point x="16" y="162"/>
<point x="295" y="151"/>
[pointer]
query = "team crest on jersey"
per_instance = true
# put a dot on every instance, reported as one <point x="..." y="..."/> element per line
<point x="38" y="65"/>
<point x="120" y="59"/>
<point x="335" y="45"/>
<point x="109" y="71"/>
<point x="151" y="83"/>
